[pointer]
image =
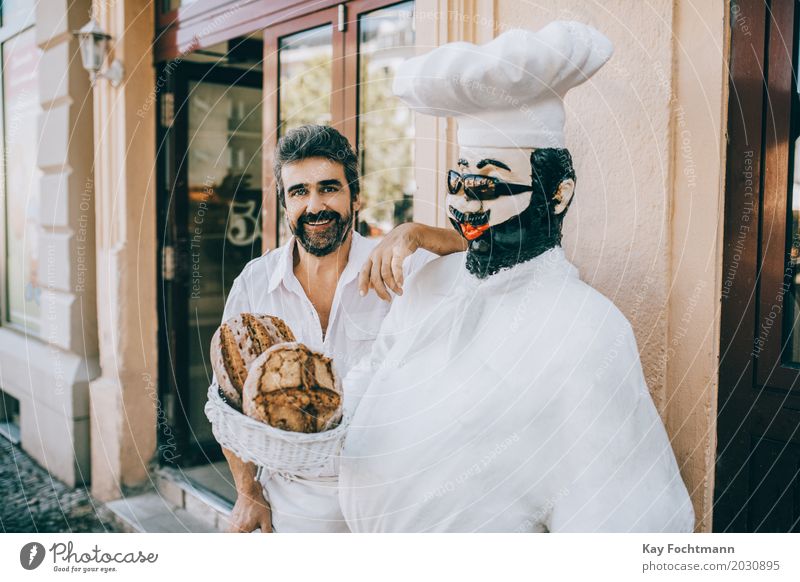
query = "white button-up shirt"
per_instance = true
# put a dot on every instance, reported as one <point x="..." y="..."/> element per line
<point x="268" y="285"/>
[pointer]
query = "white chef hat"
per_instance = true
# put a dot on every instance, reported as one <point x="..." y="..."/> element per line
<point x="508" y="92"/>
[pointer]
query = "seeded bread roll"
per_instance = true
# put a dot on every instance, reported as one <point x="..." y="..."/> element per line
<point x="293" y="388"/>
<point x="237" y="343"/>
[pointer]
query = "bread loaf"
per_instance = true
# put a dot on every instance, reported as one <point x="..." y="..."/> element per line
<point x="237" y="343"/>
<point x="293" y="388"/>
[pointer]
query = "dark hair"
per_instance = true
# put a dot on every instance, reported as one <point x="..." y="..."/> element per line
<point x="550" y="167"/>
<point x="316" y="141"/>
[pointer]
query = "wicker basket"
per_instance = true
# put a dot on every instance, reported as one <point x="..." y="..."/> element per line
<point x="299" y="454"/>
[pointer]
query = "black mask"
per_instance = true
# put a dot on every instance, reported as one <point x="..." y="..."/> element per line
<point x="531" y="232"/>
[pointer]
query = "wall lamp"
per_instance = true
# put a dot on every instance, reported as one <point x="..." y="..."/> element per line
<point x="94" y="50"/>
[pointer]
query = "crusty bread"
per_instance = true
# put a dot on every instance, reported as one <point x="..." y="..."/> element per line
<point x="237" y="343"/>
<point x="293" y="388"/>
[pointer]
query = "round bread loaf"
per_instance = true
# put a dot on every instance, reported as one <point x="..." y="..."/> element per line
<point x="237" y="343"/>
<point x="293" y="388"/>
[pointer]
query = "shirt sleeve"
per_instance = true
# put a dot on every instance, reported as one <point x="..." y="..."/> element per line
<point x="238" y="301"/>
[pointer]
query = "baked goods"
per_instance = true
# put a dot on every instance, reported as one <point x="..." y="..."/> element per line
<point x="237" y="343"/>
<point x="293" y="388"/>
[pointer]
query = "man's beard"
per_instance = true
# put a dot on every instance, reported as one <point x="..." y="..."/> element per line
<point x="325" y="241"/>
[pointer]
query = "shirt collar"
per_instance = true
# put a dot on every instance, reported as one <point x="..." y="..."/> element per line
<point x="359" y="251"/>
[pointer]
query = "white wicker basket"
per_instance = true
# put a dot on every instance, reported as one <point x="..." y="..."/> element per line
<point x="299" y="454"/>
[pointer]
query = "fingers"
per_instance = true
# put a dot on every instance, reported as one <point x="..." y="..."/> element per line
<point x="397" y="272"/>
<point x="387" y="275"/>
<point x="363" y="277"/>
<point x="376" y="280"/>
<point x="382" y="271"/>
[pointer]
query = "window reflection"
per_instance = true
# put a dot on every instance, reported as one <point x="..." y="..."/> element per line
<point x="385" y="124"/>
<point x="305" y="60"/>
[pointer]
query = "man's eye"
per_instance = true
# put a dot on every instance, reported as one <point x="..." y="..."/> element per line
<point x="329" y="189"/>
<point x="299" y="192"/>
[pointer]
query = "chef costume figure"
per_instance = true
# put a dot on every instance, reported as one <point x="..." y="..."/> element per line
<point x="504" y="394"/>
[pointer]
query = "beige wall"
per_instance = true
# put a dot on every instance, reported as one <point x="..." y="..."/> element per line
<point x="49" y="372"/>
<point x="124" y="399"/>
<point x="699" y="110"/>
<point x="644" y="225"/>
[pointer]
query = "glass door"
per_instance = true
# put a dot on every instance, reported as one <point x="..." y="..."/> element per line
<point x="382" y="38"/>
<point x="336" y="67"/>
<point x="212" y="156"/>
<point x="303" y="84"/>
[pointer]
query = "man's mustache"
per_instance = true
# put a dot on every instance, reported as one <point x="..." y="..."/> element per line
<point x="319" y="216"/>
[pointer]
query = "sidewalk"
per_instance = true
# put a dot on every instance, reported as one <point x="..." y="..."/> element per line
<point x="33" y="501"/>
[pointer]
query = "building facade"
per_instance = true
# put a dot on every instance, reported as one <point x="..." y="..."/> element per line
<point x="145" y="199"/>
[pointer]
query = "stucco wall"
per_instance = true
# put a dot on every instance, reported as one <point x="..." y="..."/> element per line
<point x="644" y="225"/>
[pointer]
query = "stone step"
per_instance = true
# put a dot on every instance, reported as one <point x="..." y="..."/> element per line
<point x="198" y="499"/>
<point x="151" y="512"/>
<point x="205" y="493"/>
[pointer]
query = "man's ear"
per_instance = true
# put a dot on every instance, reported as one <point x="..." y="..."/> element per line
<point x="563" y="195"/>
<point x="357" y="203"/>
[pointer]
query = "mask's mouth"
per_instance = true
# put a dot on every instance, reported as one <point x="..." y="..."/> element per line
<point x="472" y="224"/>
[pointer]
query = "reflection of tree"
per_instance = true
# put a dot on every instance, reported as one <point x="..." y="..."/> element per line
<point x="386" y="150"/>
<point x="386" y="131"/>
<point x="306" y="92"/>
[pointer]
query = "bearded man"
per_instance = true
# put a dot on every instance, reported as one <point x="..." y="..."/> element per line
<point x="504" y="394"/>
<point x="318" y="284"/>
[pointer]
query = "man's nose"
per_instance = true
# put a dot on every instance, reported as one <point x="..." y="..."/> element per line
<point x="316" y="202"/>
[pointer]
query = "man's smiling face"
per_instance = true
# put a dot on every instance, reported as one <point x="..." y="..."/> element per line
<point x="319" y="206"/>
<point x="475" y="215"/>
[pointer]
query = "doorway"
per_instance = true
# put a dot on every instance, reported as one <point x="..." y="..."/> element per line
<point x="757" y="486"/>
<point x="210" y="212"/>
<point x="222" y="111"/>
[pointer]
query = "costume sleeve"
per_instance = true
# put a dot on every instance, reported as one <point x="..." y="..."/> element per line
<point x="615" y="465"/>
<point x="393" y="328"/>
<point x="415" y="261"/>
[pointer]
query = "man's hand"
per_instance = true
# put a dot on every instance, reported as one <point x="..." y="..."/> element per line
<point x="250" y="512"/>
<point x="384" y="268"/>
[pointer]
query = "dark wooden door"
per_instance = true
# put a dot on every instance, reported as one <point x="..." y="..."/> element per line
<point x="757" y="488"/>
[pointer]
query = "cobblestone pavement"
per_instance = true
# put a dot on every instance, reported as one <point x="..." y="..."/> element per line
<point x="33" y="501"/>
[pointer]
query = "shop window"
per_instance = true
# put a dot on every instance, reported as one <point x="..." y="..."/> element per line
<point x="18" y="13"/>
<point x="20" y="121"/>
<point x="20" y="180"/>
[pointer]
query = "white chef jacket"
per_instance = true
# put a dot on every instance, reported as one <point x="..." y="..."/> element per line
<point x="268" y="285"/>
<point x="512" y="403"/>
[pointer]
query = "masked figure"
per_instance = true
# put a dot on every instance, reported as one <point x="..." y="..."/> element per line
<point x="504" y="394"/>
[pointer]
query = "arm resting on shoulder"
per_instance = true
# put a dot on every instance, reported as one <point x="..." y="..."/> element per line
<point x="384" y="267"/>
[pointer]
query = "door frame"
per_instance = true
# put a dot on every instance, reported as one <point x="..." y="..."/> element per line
<point x="758" y="398"/>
